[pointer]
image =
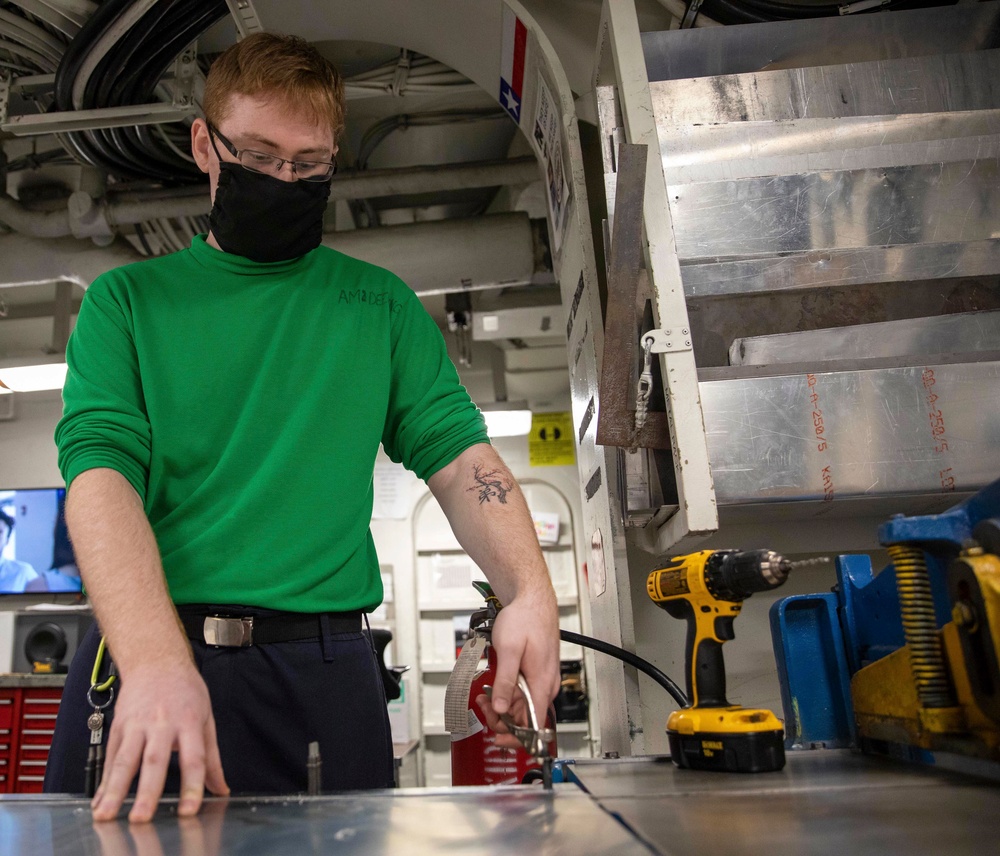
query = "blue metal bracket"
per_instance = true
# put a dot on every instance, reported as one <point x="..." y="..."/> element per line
<point x="812" y="668"/>
<point x="943" y="533"/>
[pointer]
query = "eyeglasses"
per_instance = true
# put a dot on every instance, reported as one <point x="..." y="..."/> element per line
<point x="272" y="164"/>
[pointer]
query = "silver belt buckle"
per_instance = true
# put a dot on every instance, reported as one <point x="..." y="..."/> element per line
<point x="228" y="632"/>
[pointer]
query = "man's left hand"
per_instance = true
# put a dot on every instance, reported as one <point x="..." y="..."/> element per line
<point x="526" y="640"/>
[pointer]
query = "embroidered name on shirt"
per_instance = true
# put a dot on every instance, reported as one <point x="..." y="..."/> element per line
<point x="372" y="298"/>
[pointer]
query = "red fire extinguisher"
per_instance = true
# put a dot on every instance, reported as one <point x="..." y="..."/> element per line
<point x="476" y="759"/>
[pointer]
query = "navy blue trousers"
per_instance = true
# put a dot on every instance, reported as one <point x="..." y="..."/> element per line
<point x="269" y="701"/>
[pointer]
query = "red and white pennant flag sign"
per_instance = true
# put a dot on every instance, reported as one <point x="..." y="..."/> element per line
<point x="515" y="37"/>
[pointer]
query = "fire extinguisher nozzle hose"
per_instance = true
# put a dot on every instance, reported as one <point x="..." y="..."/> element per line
<point x="644" y="666"/>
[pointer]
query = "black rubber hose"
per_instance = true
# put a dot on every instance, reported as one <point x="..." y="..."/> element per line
<point x="730" y="13"/>
<point x="647" y="668"/>
<point x="203" y="16"/>
<point x="116" y="71"/>
<point x="788" y="11"/>
<point x="119" y="80"/>
<point x="152" y="143"/>
<point x="78" y="49"/>
<point x="89" y="146"/>
<point x="92" y="146"/>
<point x="72" y="145"/>
<point x="148" y="161"/>
<point x="152" y="70"/>
<point x="129" y="74"/>
<point x="107" y="157"/>
<point x="123" y="81"/>
<point x="763" y="11"/>
<point x="141" y="235"/>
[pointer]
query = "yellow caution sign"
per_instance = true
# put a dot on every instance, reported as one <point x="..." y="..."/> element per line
<point x="550" y="443"/>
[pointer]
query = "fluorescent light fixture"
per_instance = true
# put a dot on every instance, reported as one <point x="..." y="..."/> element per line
<point x="507" y="418"/>
<point x="33" y="376"/>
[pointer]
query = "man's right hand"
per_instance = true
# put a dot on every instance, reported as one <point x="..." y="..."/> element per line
<point x="161" y="709"/>
<point x="163" y="705"/>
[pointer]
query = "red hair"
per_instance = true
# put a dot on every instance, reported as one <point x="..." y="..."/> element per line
<point x="284" y="66"/>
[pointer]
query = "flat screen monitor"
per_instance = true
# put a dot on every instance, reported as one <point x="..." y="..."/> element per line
<point x="35" y="552"/>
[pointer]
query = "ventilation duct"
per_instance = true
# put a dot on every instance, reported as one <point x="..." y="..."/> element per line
<point x="447" y="255"/>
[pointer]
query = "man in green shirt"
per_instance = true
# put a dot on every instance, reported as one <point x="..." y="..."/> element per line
<point x="223" y="410"/>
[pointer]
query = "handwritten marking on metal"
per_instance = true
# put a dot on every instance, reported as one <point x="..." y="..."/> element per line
<point x="819" y="429"/>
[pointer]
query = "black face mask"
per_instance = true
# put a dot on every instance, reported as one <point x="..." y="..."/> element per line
<point x="264" y="218"/>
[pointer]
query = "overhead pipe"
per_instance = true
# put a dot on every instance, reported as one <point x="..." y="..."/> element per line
<point x="445" y="255"/>
<point x="37" y="224"/>
<point x="187" y="203"/>
<point x="33" y="261"/>
<point x="371" y="184"/>
<point x="141" y="209"/>
<point x="439" y="256"/>
<point x="368" y="184"/>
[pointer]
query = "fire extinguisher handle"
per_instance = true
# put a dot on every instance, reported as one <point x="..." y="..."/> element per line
<point x="534" y="739"/>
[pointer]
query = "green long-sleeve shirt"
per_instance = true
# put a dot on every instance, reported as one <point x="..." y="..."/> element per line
<point x="245" y="403"/>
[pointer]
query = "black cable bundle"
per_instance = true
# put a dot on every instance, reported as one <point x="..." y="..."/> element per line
<point x="760" y="11"/>
<point x="127" y="74"/>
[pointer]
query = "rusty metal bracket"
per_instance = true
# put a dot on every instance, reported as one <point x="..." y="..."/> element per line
<point x="616" y="420"/>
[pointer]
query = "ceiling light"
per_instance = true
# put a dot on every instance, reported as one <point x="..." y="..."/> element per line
<point x="507" y="418"/>
<point x="32" y="375"/>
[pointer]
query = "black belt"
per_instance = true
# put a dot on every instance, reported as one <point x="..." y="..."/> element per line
<point x="242" y="631"/>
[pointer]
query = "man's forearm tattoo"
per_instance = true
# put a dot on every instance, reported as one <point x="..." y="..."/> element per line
<point x="489" y="485"/>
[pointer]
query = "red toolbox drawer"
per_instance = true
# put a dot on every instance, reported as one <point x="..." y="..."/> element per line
<point x="7" y="705"/>
<point x="32" y="713"/>
<point x="33" y="751"/>
<point x="29" y="783"/>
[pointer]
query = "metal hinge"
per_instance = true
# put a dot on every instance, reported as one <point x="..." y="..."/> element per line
<point x="667" y="341"/>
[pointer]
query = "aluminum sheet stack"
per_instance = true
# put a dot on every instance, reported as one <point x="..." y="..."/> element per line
<point x="839" y="159"/>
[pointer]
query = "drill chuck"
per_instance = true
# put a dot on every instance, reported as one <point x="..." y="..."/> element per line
<point x="734" y="576"/>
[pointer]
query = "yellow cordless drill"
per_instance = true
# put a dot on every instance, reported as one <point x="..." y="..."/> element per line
<point x="707" y="589"/>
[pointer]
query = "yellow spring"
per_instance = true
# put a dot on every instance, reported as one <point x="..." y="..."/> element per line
<point x="916" y="605"/>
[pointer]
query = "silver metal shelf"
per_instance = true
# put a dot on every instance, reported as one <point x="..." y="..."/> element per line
<point x="852" y="163"/>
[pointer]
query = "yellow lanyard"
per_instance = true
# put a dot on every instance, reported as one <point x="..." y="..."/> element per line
<point x="97" y="668"/>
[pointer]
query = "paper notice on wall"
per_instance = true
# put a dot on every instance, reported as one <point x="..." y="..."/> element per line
<point x="391" y="485"/>
<point x="548" y="140"/>
<point x="546" y="527"/>
<point x="550" y="443"/>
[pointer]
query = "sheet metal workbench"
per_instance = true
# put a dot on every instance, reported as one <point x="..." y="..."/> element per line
<point x="823" y="802"/>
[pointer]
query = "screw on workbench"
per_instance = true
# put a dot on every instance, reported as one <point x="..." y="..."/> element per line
<point x="313" y="768"/>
